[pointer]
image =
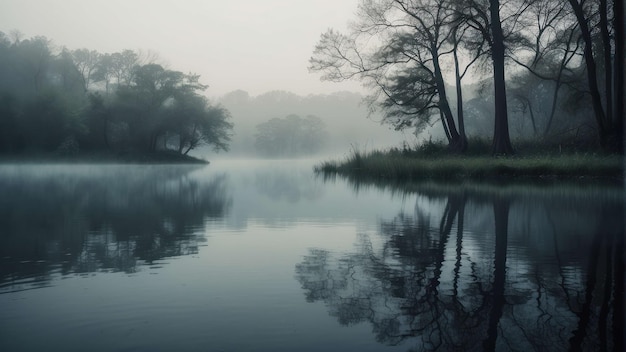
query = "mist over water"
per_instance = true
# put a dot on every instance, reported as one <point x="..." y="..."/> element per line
<point x="266" y="256"/>
<point x="344" y="123"/>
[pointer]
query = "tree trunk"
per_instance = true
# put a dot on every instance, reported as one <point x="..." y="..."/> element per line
<point x="555" y="97"/>
<point x="501" y="215"/>
<point x="586" y="310"/>
<point x="181" y="144"/>
<point x="501" y="139"/>
<point x="459" y="100"/>
<point x="608" y="66"/>
<point x="444" y="105"/>
<point x="592" y="75"/>
<point x="445" y="127"/>
<point x="619" y="111"/>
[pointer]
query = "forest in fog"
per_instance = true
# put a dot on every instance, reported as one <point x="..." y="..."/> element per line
<point x="557" y="65"/>
<point x="65" y="101"/>
<point x="435" y="70"/>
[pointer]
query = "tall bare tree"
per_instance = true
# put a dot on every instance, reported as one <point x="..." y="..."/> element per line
<point x="593" y="20"/>
<point x="86" y="62"/>
<point x="396" y="48"/>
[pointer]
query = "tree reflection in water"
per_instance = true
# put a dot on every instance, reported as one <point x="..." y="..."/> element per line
<point x="511" y="268"/>
<point x="73" y="219"/>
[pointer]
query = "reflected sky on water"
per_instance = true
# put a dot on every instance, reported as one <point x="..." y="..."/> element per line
<point x="266" y="255"/>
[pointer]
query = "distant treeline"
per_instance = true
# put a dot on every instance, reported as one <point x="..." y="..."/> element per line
<point x="338" y="121"/>
<point x="68" y="101"/>
<point x="290" y="136"/>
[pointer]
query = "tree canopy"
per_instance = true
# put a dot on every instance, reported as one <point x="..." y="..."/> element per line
<point x="290" y="136"/>
<point x="403" y="50"/>
<point x="71" y="100"/>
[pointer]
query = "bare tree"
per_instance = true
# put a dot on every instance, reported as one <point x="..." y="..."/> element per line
<point x="86" y="62"/>
<point x="592" y="17"/>
<point x="396" y="48"/>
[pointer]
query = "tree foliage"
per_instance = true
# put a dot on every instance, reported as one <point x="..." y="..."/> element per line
<point x="290" y="136"/>
<point x="51" y="99"/>
<point x="402" y="49"/>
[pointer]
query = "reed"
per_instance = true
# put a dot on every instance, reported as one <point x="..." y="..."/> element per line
<point x="398" y="165"/>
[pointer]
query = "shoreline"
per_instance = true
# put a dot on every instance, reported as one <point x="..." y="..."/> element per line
<point x="102" y="158"/>
<point x="392" y="167"/>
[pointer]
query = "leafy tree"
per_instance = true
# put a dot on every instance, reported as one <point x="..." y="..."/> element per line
<point x="161" y="105"/>
<point x="123" y="66"/>
<point x="86" y="62"/>
<point x="33" y="60"/>
<point x="48" y="102"/>
<point x="191" y="122"/>
<point x="290" y="136"/>
<point x="48" y="120"/>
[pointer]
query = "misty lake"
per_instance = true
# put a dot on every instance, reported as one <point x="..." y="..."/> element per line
<point x="268" y="256"/>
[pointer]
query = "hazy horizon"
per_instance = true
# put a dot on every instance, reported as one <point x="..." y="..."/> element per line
<point x="248" y="45"/>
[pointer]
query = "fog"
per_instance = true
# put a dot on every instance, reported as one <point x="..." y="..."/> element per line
<point x="346" y="121"/>
<point x="257" y="46"/>
<point x="269" y="66"/>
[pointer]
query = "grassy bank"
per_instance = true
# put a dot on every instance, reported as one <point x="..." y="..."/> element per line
<point x="402" y="165"/>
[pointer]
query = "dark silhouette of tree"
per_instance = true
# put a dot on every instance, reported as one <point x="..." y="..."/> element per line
<point x="103" y="224"/>
<point x="478" y="281"/>
<point x="404" y="69"/>
<point x="52" y="102"/>
<point x="610" y="127"/>
<point x="501" y="214"/>
<point x="161" y="107"/>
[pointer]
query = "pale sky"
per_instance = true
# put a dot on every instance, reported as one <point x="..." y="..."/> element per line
<point x="254" y="45"/>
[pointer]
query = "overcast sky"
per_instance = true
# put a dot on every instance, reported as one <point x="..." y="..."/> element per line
<point x="254" y="45"/>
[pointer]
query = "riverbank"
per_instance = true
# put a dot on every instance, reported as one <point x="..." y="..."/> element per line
<point x="104" y="158"/>
<point x="397" y="166"/>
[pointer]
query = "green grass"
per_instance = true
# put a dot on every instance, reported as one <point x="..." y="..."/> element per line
<point x="406" y="165"/>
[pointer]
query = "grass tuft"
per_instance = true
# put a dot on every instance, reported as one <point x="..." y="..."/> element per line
<point x="432" y="160"/>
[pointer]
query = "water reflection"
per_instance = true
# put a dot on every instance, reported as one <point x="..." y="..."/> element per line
<point x="497" y="268"/>
<point x="81" y="219"/>
<point x="292" y="186"/>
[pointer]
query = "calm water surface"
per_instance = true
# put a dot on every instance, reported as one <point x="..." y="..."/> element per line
<point x="265" y="256"/>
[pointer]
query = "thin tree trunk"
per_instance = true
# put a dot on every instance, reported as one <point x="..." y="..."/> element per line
<point x="459" y="98"/>
<point x="501" y="214"/>
<point x="592" y="74"/>
<point x="557" y="86"/>
<point x="532" y="117"/>
<point x="619" y="111"/>
<point x="445" y="127"/>
<point x="444" y="105"/>
<point x="608" y="66"/>
<point x="501" y="139"/>
<point x="555" y="97"/>
<point x="576" y="341"/>
<point x="459" y="246"/>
